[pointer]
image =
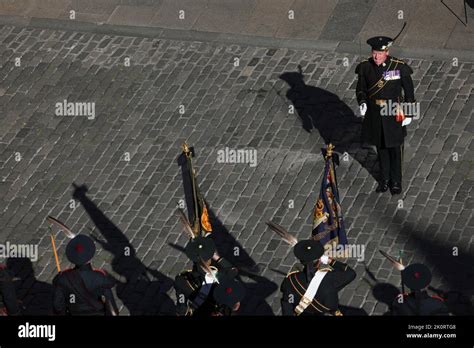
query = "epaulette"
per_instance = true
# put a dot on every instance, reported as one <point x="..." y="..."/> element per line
<point x="288" y="275"/>
<point x="326" y="269"/>
<point x="185" y="272"/>
<point x="437" y="297"/>
<point x="398" y="61"/>
<point x="361" y="65"/>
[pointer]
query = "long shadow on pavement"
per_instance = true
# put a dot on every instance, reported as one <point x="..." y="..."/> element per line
<point x="36" y="296"/>
<point x="336" y="122"/>
<point x="385" y="293"/>
<point x="139" y="293"/>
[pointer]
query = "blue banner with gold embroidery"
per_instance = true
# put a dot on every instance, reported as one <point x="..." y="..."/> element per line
<point x="328" y="224"/>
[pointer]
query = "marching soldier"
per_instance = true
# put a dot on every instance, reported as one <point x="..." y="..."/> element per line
<point x="195" y="288"/>
<point x="8" y="300"/>
<point x="381" y="79"/>
<point x="83" y="290"/>
<point x="417" y="277"/>
<point x="314" y="290"/>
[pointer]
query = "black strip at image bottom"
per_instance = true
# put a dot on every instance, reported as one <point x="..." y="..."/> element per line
<point x="242" y="330"/>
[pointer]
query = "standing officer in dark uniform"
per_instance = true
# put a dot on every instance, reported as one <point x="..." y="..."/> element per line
<point x="381" y="79"/>
<point x="8" y="300"/>
<point x="195" y="288"/>
<point x="417" y="277"/>
<point x="314" y="290"/>
<point x="83" y="290"/>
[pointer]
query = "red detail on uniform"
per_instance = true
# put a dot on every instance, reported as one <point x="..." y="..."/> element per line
<point x="100" y="271"/>
<point x="228" y="290"/>
<point x="3" y="266"/>
<point x="438" y="297"/>
<point x="417" y="275"/>
<point x="79" y="248"/>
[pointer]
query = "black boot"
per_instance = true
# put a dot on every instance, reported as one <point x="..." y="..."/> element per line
<point x="383" y="186"/>
<point x="396" y="188"/>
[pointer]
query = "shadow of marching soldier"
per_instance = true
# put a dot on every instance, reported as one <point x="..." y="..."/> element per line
<point x="385" y="293"/>
<point x="139" y="293"/>
<point x="36" y="297"/>
<point x="9" y="304"/>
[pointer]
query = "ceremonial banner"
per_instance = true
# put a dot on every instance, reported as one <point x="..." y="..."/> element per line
<point x="327" y="215"/>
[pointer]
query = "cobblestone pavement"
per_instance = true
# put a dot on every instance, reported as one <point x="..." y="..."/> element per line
<point x="133" y="202"/>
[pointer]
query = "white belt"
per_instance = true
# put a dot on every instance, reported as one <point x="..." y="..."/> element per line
<point x="205" y="288"/>
<point x="310" y="292"/>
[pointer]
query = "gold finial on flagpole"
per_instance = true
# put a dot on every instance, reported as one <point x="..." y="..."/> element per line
<point x="185" y="147"/>
<point x="329" y="150"/>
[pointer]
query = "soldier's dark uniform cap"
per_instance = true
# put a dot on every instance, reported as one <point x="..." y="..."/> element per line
<point x="416" y="276"/>
<point x="80" y="249"/>
<point x="380" y="43"/>
<point x="228" y="292"/>
<point x="308" y="250"/>
<point x="200" y="248"/>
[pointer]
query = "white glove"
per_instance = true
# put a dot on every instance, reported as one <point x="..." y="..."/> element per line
<point x="406" y="121"/>
<point x="363" y="109"/>
<point x="324" y="259"/>
<point x="210" y="278"/>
